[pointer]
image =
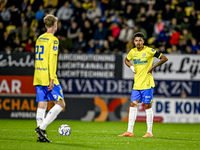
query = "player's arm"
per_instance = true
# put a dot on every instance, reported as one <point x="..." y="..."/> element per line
<point x="52" y="69"/>
<point x="53" y="64"/>
<point x="129" y="64"/>
<point x="162" y="58"/>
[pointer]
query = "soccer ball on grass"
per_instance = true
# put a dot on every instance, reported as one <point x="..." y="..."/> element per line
<point x="64" y="130"/>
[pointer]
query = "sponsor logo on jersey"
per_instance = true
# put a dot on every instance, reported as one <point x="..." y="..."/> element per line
<point x="55" y="48"/>
<point x="138" y="61"/>
<point x="44" y="38"/>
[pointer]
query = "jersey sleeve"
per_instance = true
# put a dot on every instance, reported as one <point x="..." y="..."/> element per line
<point x="158" y="55"/>
<point x="154" y="53"/>
<point x="130" y="55"/>
<point x="53" y="58"/>
<point x="54" y="46"/>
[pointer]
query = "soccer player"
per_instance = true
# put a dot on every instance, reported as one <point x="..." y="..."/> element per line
<point x="45" y="78"/>
<point x="142" y="57"/>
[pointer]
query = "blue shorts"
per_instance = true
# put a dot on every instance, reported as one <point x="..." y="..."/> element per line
<point x="145" y="96"/>
<point x="42" y="93"/>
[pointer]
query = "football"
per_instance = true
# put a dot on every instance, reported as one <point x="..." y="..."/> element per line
<point x="64" y="130"/>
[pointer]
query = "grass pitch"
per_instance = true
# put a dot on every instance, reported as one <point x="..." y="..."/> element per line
<point x="20" y="135"/>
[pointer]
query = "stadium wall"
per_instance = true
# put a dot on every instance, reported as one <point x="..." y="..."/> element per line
<point x="99" y="87"/>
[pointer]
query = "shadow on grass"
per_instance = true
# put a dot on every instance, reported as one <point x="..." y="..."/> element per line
<point x="53" y="143"/>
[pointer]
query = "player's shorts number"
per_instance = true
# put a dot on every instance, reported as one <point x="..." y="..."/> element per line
<point x="40" y="50"/>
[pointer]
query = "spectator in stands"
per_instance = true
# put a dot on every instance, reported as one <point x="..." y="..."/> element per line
<point x="145" y="24"/>
<point x="167" y="14"/>
<point x="175" y="36"/>
<point x="73" y="31"/>
<point x="129" y="12"/>
<point x="40" y="13"/>
<point x="30" y="14"/>
<point x="115" y="29"/>
<point x="5" y="15"/>
<point x="193" y="18"/>
<point x="15" y="15"/>
<point x="94" y="11"/>
<point x="34" y="33"/>
<point x="88" y="30"/>
<point x="29" y="46"/>
<point x="175" y="50"/>
<point x="125" y="35"/>
<point x="158" y="27"/>
<point x="179" y="14"/>
<point x="194" y="46"/>
<point x="64" y="13"/>
<point x="164" y="37"/>
<point x="137" y="28"/>
<point x="188" y="50"/>
<point x="17" y="47"/>
<point x="91" y="47"/>
<point x="122" y="8"/>
<point x="185" y="24"/>
<point x="100" y="34"/>
<point x="80" y="43"/>
<point x="113" y="44"/>
<point x="24" y="32"/>
<point x="173" y="24"/>
<point x="78" y="10"/>
<point x="185" y="39"/>
<point x="86" y="4"/>
<point x="142" y="13"/>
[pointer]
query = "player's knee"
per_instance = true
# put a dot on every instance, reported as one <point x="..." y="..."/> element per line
<point x="134" y="104"/>
<point x="61" y="103"/>
<point x="147" y="106"/>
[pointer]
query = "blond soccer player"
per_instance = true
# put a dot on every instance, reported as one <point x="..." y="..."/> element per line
<point x="45" y="78"/>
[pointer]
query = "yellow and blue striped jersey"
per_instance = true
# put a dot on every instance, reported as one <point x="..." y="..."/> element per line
<point x="142" y="61"/>
<point x="46" y="53"/>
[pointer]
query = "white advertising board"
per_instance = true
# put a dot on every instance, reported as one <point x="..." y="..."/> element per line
<point x="173" y="110"/>
<point x="178" y="67"/>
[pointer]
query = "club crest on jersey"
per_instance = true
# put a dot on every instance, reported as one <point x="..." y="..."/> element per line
<point x="143" y="54"/>
<point x="55" y="42"/>
<point x="153" y="50"/>
<point x="55" y="48"/>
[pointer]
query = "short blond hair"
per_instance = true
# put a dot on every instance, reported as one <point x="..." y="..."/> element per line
<point x="50" y="20"/>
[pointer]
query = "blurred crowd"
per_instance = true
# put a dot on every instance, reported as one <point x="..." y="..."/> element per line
<point x="102" y="26"/>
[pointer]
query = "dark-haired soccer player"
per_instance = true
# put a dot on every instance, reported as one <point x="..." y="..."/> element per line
<point x="45" y="78"/>
<point x="142" y="57"/>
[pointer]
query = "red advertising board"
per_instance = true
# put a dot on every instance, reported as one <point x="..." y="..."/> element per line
<point x="16" y="85"/>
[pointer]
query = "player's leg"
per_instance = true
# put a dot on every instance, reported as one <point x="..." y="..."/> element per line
<point x="40" y="114"/>
<point x="57" y="95"/>
<point x="53" y="113"/>
<point x="42" y="106"/>
<point x="135" y="99"/>
<point x="148" y="99"/>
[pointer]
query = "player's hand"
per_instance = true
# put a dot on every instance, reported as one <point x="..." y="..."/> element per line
<point x="133" y="69"/>
<point x="150" y="70"/>
<point x="51" y="85"/>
